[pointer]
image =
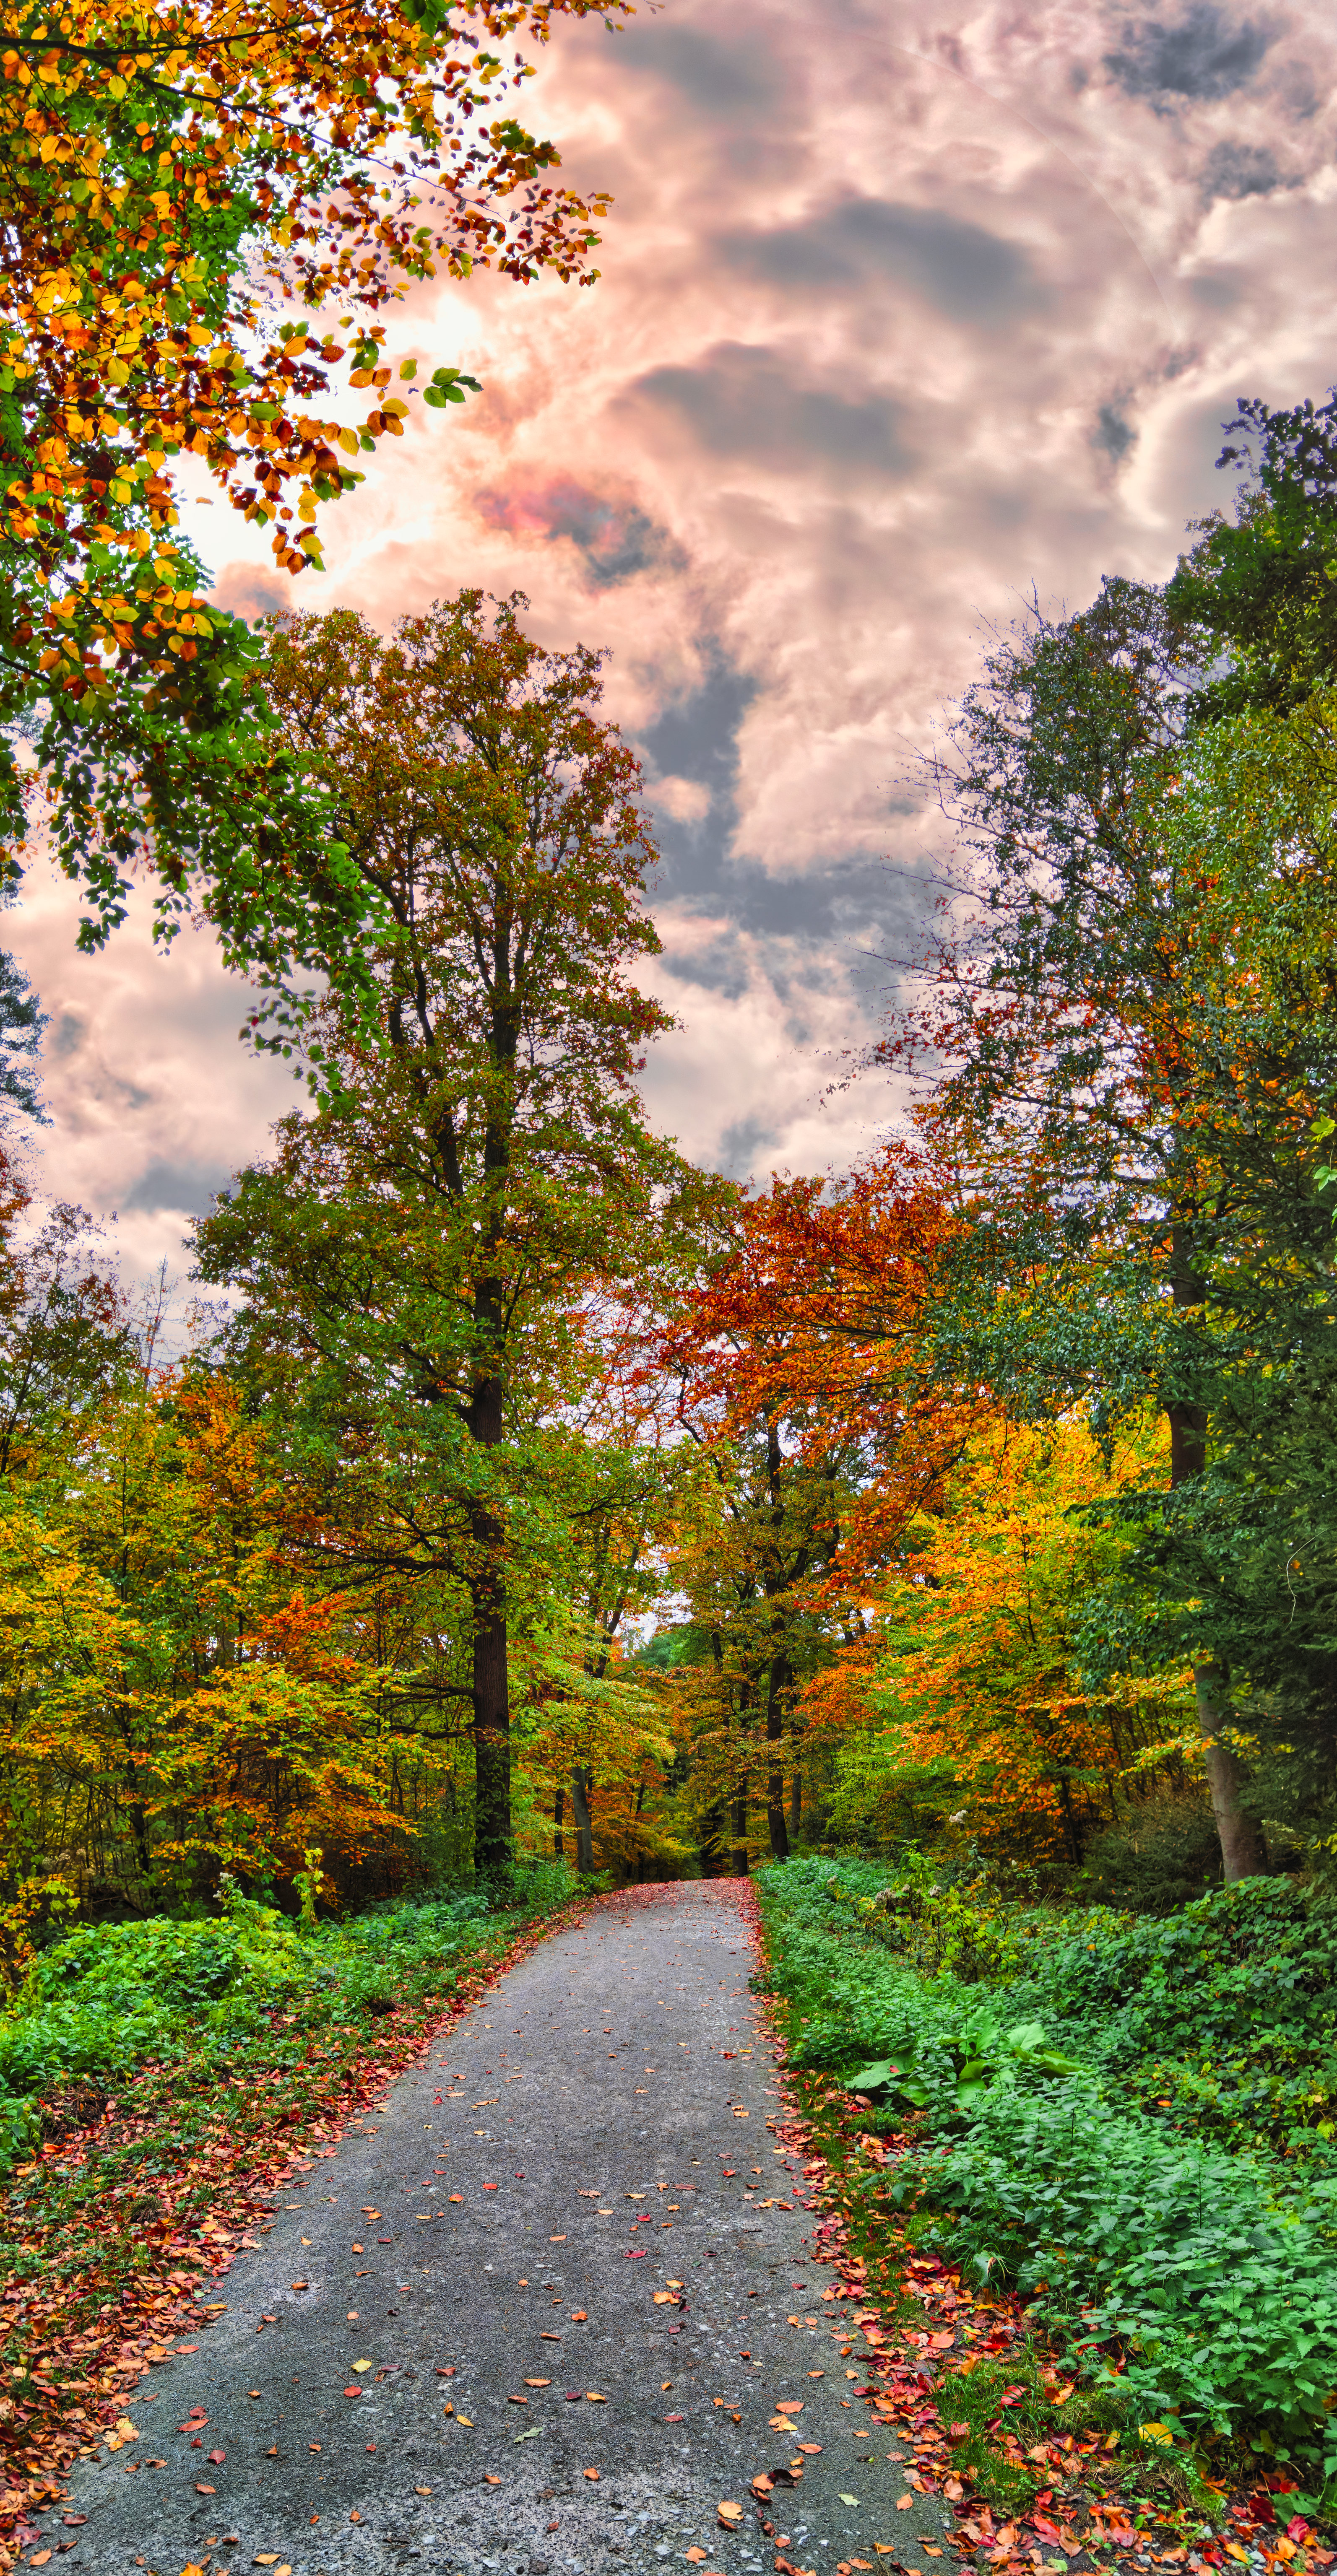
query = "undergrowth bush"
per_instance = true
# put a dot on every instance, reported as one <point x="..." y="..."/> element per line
<point x="1130" y="2121"/>
<point x="108" y="1997"/>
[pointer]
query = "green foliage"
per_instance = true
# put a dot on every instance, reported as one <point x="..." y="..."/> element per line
<point x="1130" y="2121"/>
<point x="109" y="1997"/>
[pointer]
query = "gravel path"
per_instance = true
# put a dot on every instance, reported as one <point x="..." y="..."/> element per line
<point x="477" y="2261"/>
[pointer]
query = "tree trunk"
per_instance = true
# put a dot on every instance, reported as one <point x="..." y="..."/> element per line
<point x="1243" y="1851"/>
<point x="558" y="1815"/>
<point x="775" y="1773"/>
<point x="491" y="1683"/>
<point x="712" y="1841"/>
<point x="582" y="1780"/>
<point x="492" y="1738"/>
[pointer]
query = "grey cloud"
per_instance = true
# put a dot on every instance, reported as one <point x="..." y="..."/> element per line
<point x="1242" y="170"/>
<point x="615" y="539"/>
<point x="744" y="402"/>
<point x="1207" y="53"/>
<point x="721" y="80"/>
<point x="740" y="1144"/>
<point x="966" y="272"/>
<point x="185" y="1187"/>
<point x="1113" y="433"/>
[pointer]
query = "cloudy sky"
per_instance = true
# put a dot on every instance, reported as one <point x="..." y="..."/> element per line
<point x="904" y="312"/>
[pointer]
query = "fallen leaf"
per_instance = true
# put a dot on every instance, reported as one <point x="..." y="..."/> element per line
<point x="789" y="2406"/>
<point x="903" y="2503"/>
<point x="593" y="2475"/>
<point x="422" y="2490"/>
<point x="847" y="2499"/>
<point x="665" y="2299"/>
<point x="553" y="2240"/>
<point x="305" y="2285"/>
<point x="468" y="2422"/>
<point x="730" y="2514"/>
<point x="265" y="2558"/>
<point x="538" y="2383"/>
<point x="216" y="2459"/>
<point x="593" y="2397"/>
<point x="578" y="2318"/>
<point x="810" y="2450"/>
<point x="364" y="2364"/>
<point x="352" y="2392"/>
<point x="694" y="2557"/>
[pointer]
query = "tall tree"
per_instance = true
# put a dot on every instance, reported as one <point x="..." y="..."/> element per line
<point x="422" y="1259"/>
<point x="1064" y="1017"/>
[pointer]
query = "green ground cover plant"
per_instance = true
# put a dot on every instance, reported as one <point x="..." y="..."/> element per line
<point x="1128" y="2123"/>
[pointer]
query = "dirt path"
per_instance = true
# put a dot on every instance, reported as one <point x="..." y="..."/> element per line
<point x="478" y="2263"/>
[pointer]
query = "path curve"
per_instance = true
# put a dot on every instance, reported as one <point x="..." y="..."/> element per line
<point x="478" y="2261"/>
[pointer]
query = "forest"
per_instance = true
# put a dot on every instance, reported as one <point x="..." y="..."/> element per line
<point x="951" y="1540"/>
<point x="524" y="1491"/>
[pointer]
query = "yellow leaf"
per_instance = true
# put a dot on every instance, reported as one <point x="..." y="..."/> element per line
<point x="364" y="2365"/>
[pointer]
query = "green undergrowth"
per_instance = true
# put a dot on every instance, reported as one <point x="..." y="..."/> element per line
<point x="222" y="1994"/>
<point x="1127" y="2123"/>
<point x="1010" y="2403"/>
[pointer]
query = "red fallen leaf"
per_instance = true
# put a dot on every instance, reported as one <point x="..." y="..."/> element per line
<point x="199" y="2490"/>
<point x="352" y="2392"/>
<point x="1046" y="2530"/>
<point x="636" y="2253"/>
<point x="675" y="2419"/>
<point x="216" y="2459"/>
<point x="389" y="2240"/>
<point x="489" y="2186"/>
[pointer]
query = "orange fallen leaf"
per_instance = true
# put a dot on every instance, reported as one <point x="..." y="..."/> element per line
<point x="729" y="2513"/>
<point x="578" y="2317"/>
<point x="694" y="2557"/>
<point x="593" y="2474"/>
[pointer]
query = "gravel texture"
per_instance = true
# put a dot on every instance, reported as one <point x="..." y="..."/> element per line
<point x="584" y="2112"/>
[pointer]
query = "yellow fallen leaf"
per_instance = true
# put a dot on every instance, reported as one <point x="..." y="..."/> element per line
<point x="592" y="2398"/>
<point x="364" y="2365"/>
<point x="673" y="2285"/>
<point x="265" y="2558"/>
<point x="730" y="2514"/>
<point x="467" y="2421"/>
<point x="665" y="2299"/>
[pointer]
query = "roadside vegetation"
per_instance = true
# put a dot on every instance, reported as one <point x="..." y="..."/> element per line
<point x="1124" y="2127"/>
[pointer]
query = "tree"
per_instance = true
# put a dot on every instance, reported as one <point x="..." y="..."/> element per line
<point x="1066" y="1014"/>
<point x="797" y="1363"/>
<point x="422" y="1261"/>
<point x="964" y="1712"/>
<point x="190" y="197"/>
<point x="1257" y="589"/>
